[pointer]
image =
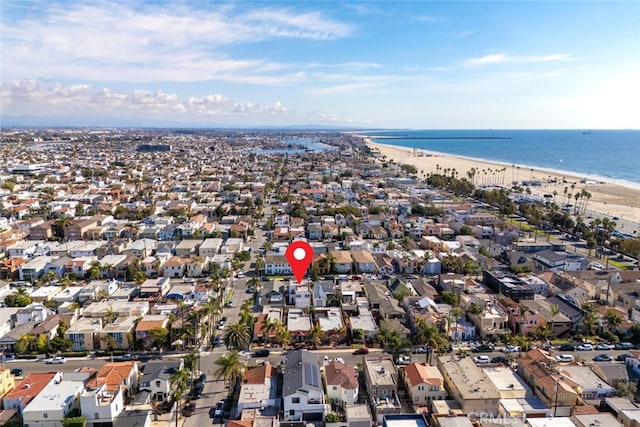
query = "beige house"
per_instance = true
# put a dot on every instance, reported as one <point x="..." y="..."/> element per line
<point x="424" y="383"/>
<point x="469" y="385"/>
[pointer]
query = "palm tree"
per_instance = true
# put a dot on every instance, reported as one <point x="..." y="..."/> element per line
<point x="315" y="335"/>
<point x="179" y="380"/>
<point x="555" y="310"/>
<point x="613" y="320"/>
<point x="455" y="314"/>
<point x="236" y="336"/>
<point x="282" y="334"/>
<point x="229" y="367"/>
<point x="267" y="326"/>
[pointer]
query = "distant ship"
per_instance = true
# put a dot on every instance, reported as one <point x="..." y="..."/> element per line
<point x="586" y="132"/>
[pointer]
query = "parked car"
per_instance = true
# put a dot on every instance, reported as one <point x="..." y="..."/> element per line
<point x="604" y="346"/>
<point x="483" y="348"/>
<point x="261" y="353"/>
<point x="624" y="346"/>
<point x="565" y="358"/>
<point x="217" y="341"/>
<point x="404" y="360"/>
<point x="500" y="359"/>
<point x="189" y="409"/>
<point x="230" y="303"/>
<point x="511" y="349"/>
<point x="585" y="347"/>
<point x="603" y="358"/>
<point x="622" y="357"/>
<point x="126" y="357"/>
<point x="361" y="350"/>
<point x="202" y="379"/>
<point x="56" y="361"/>
<point x="481" y="359"/>
<point x="17" y="372"/>
<point x="567" y="347"/>
<point x="219" y="408"/>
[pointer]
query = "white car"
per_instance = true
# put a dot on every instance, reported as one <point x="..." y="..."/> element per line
<point x="565" y="358"/>
<point x="404" y="360"/>
<point x="585" y="347"/>
<point x="481" y="359"/>
<point x="56" y="361"/>
<point x="511" y="349"/>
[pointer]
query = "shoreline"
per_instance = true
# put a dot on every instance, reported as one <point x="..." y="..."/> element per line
<point x="608" y="197"/>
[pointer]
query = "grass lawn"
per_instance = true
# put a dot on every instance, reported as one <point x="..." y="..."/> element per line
<point x="560" y="342"/>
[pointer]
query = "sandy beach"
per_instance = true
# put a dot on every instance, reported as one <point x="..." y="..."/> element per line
<point x="608" y="199"/>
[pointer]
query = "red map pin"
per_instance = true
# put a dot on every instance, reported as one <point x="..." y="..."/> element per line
<point x="299" y="254"/>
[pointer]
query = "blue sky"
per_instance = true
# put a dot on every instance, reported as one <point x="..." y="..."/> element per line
<point x="421" y="64"/>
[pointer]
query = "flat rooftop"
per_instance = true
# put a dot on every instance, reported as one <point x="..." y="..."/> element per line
<point x="468" y="378"/>
<point x="550" y="422"/>
<point x="507" y="382"/>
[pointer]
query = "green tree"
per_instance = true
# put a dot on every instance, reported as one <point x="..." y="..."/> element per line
<point x="229" y="367"/>
<point x="315" y="335"/>
<point x="19" y="299"/>
<point x="450" y="298"/>
<point x="59" y="343"/>
<point x="236" y="336"/>
<point x="160" y="337"/>
<point x="179" y="380"/>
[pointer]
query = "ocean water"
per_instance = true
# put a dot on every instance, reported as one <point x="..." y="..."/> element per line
<point x="611" y="155"/>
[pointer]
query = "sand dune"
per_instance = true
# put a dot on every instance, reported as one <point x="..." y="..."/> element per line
<point x="607" y="199"/>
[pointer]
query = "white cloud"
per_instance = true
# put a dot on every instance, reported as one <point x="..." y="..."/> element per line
<point x="501" y="58"/>
<point x="33" y="97"/>
<point x="116" y="41"/>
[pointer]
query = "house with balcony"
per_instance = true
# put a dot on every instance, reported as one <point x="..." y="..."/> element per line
<point x="101" y="406"/>
<point x="342" y="383"/>
<point x="302" y="390"/>
<point x="424" y="384"/>
<point x="276" y="265"/>
<point x="382" y="382"/>
<point x="117" y="333"/>
<point x="117" y="376"/>
<point x="323" y="290"/>
<point x="492" y="321"/>
<point x="84" y="334"/>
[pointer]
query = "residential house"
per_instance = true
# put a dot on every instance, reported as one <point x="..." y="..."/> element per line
<point x="492" y="321"/>
<point x="27" y="389"/>
<point x="364" y="262"/>
<point x="101" y="405"/>
<point x="275" y="265"/>
<point x="148" y="323"/>
<point x="188" y="248"/>
<point x="272" y="294"/>
<point x="343" y="261"/>
<point x="156" y="377"/>
<point x="382" y="382"/>
<point x="302" y="390"/>
<point x="119" y="333"/>
<point x="342" y="383"/>
<point x="175" y="267"/>
<point x="117" y="376"/>
<point x="7" y="381"/>
<point x="468" y="385"/>
<point x="259" y="389"/>
<point x="298" y="325"/>
<point x="331" y="324"/>
<point x="302" y="296"/>
<point x="322" y="291"/>
<point x="365" y="323"/>
<point x="424" y="384"/>
<point x="56" y="400"/>
<point x="84" y="334"/>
